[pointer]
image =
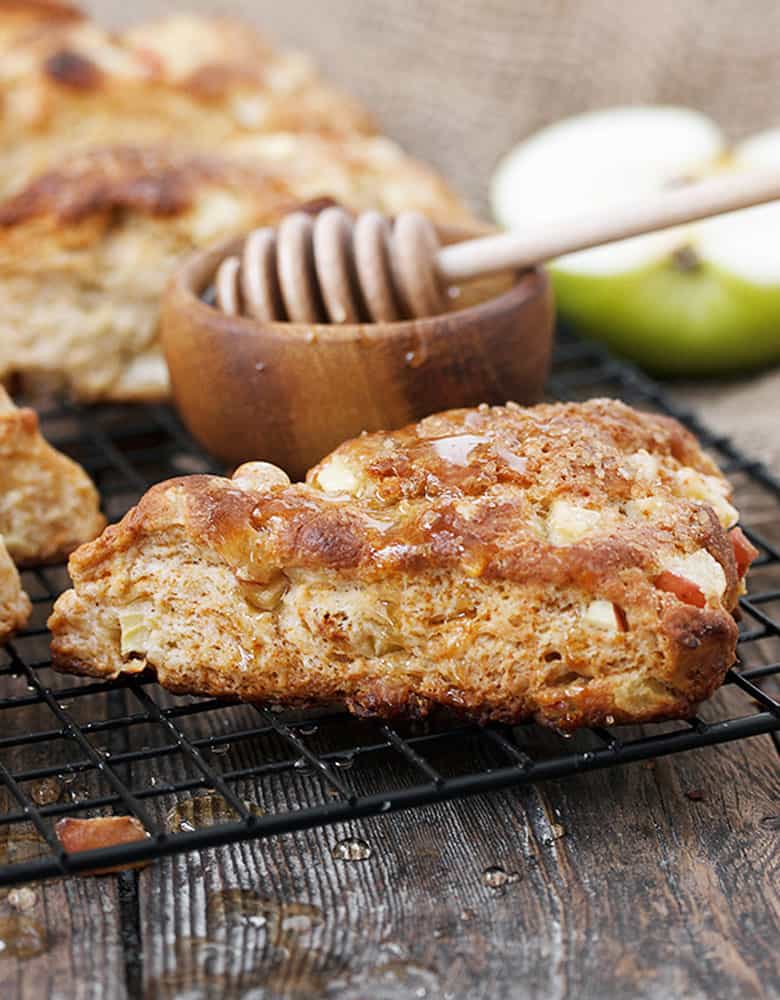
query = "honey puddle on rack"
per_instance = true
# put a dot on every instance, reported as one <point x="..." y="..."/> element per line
<point x="205" y="810"/>
<point x="351" y="849"/>
<point x="21" y="936"/>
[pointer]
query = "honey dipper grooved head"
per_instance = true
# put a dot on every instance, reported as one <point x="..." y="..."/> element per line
<point x="335" y="269"/>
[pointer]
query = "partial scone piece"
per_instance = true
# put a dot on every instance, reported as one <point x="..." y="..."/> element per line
<point x="48" y="505"/>
<point x="86" y="250"/>
<point x="574" y="563"/>
<point x="190" y="78"/>
<point x="14" y="603"/>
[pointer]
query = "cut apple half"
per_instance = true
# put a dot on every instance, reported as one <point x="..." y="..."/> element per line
<point x="697" y="299"/>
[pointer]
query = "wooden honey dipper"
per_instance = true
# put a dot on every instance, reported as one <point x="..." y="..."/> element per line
<point x="335" y="269"/>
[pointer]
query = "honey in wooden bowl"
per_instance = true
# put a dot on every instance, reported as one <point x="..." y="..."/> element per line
<point x="288" y="393"/>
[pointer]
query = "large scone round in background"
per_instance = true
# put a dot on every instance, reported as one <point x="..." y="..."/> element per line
<point x="86" y="249"/>
<point x="201" y="80"/>
<point x="575" y="563"/>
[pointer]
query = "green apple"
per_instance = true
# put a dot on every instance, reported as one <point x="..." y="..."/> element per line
<point x="697" y="299"/>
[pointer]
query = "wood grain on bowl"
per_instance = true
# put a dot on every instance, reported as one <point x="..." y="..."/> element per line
<point x="289" y="393"/>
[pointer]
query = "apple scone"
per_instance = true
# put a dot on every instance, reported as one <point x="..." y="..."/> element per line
<point x="572" y="563"/>
<point x="70" y="84"/>
<point x="48" y="504"/>
<point x="86" y="249"/>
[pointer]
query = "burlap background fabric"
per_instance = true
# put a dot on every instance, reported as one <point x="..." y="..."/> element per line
<point x="457" y="81"/>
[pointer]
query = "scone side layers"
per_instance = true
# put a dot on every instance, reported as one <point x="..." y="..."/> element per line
<point x="552" y="563"/>
<point x="498" y="651"/>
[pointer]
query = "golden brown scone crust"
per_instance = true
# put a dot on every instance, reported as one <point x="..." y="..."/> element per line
<point x="86" y="249"/>
<point x="163" y="180"/>
<point x="48" y="505"/>
<point x="21" y="20"/>
<point x="152" y="180"/>
<point x="196" y="79"/>
<point x="361" y="172"/>
<point x="14" y="603"/>
<point x="506" y="563"/>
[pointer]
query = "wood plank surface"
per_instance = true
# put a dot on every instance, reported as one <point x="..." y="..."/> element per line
<point x="64" y="943"/>
<point x="620" y="884"/>
<point x="59" y="939"/>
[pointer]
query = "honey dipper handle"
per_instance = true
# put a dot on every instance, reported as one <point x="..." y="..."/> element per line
<point x="673" y="207"/>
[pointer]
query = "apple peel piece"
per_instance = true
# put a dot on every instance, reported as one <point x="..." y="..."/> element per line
<point x="744" y="550"/>
<point x="77" y="835"/>
<point x="684" y="589"/>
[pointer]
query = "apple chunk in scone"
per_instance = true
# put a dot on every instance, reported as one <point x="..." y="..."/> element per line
<point x="572" y="563"/>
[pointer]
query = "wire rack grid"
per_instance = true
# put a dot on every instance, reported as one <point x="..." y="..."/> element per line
<point x="199" y="772"/>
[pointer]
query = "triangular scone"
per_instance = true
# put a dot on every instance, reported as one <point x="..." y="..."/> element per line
<point x="48" y="504"/>
<point x="14" y="603"/>
<point x="569" y="562"/>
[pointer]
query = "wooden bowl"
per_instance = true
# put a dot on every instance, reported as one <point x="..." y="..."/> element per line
<point x="288" y="393"/>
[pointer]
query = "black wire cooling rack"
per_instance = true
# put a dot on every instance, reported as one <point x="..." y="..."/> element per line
<point x="199" y="772"/>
